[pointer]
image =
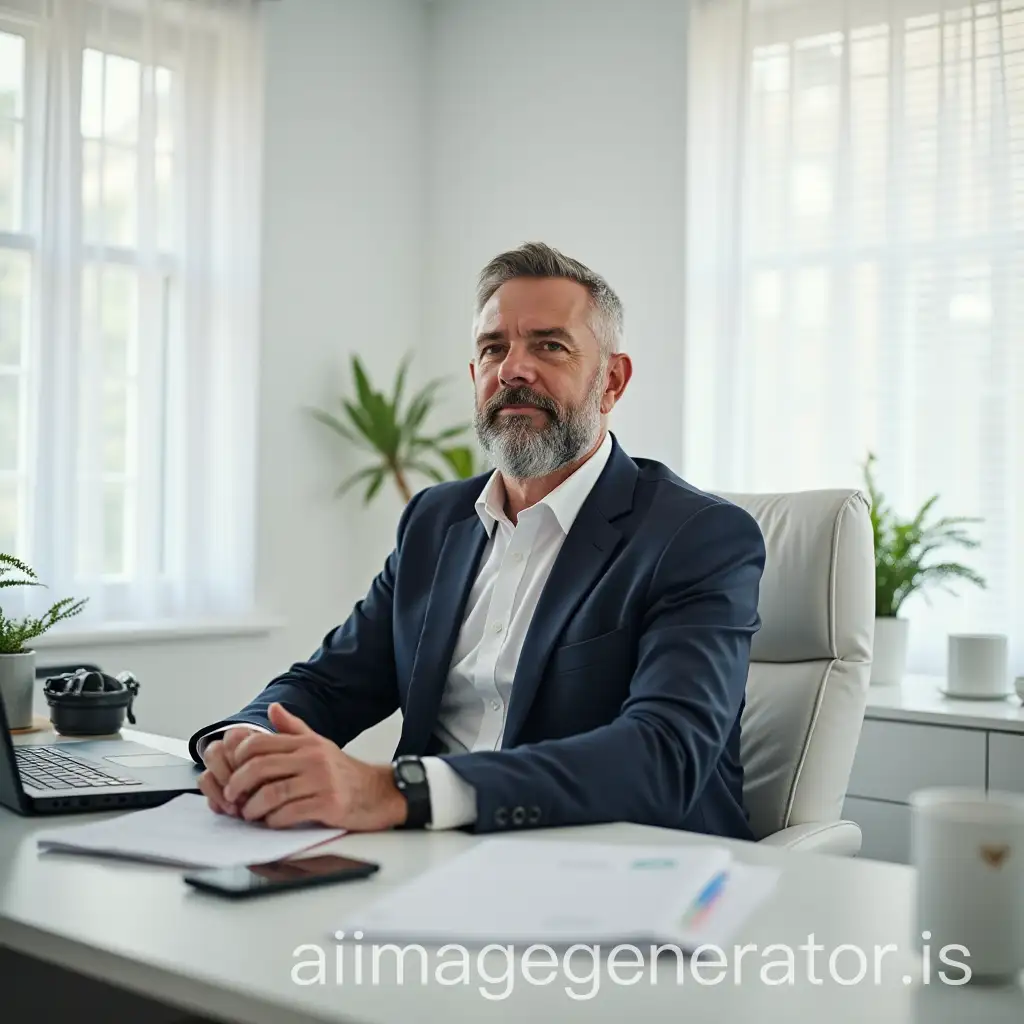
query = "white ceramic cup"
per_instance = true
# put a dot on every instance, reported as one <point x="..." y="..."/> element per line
<point x="968" y="849"/>
<point x="978" y="665"/>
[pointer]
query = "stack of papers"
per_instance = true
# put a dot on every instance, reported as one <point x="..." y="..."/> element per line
<point x="561" y="893"/>
<point x="185" y="832"/>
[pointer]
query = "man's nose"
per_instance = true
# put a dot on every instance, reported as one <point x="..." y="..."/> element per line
<point x="517" y="367"/>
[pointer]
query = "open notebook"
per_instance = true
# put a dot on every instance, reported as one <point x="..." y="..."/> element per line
<point x="519" y="890"/>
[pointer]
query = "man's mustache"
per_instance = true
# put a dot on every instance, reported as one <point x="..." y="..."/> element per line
<point x="519" y="396"/>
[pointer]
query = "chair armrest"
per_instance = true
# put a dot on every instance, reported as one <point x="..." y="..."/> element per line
<point x="841" y="838"/>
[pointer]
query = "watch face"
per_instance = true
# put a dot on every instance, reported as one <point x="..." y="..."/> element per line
<point x="413" y="773"/>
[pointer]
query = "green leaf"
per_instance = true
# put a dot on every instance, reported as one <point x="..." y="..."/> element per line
<point x="349" y="482"/>
<point x="460" y="458"/>
<point x="925" y="509"/>
<point x="396" y="401"/>
<point x="364" y="424"/>
<point x="427" y="470"/>
<point x="420" y="406"/>
<point x="392" y="429"/>
<point x="9" y="562"/>
<point x="373" y="413"/>
<point x="363" y="388"/>
<point x="333" y="423"/>
<point x="15" y="633"/>
<point x="903" y="547"/>
<point x="375" y="485"/>
<point x="444" y="435"/>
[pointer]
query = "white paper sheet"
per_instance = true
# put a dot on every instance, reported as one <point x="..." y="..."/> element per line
<point x="560" y="893"/>
<point x="185" y="832"/>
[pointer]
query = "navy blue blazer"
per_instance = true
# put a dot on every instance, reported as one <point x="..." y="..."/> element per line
<point x="627" y="698"/>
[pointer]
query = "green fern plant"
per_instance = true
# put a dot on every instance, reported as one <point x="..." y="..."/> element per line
<point x="394" y="434"/>
<point x="15" y="633"/>
<point x="904" y="549"/>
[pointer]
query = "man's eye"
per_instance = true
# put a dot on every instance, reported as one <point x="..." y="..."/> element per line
<point x="553" y="346"/>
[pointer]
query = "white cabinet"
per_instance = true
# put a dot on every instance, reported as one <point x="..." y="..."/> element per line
<point x="1006" y="762"/>
<point x="885" y="828"/>
<point x="896" y="758"/>
<point x="915" y="737"/>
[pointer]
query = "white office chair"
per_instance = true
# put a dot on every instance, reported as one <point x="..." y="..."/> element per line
<point x="810" y="665"/>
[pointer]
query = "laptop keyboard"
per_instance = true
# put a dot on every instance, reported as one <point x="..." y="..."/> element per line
<point x="52" y="768"/>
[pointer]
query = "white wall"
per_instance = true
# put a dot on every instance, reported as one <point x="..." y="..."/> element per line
<point x="405" y="145"/>
<point x="564" y="122"/>
<point x="341" y="273"/>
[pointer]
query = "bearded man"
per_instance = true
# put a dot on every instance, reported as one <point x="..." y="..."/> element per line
<point x="567" y="637"/>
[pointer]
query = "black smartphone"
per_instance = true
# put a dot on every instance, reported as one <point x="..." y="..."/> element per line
<point x="279" y="876"/>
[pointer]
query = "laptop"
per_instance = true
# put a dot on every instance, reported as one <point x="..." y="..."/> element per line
<point x="89" y="775"/>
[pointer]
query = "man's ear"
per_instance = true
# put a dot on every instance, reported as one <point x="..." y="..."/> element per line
<point x="472" y="370"/>
<point x="620" y="370"/>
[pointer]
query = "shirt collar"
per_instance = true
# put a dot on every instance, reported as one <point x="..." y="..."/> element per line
<point x="565" y="501"/>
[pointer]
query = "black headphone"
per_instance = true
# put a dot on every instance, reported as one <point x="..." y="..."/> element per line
<point x="90" y="702"/>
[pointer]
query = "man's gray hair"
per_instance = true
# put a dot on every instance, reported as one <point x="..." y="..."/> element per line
<point x="535" y="259"/>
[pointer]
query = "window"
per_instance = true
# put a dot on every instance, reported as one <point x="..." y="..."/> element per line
<point x="15" y="268"/>
<point x="129" y="184"/>
<point x="857" y="219"/>
<point x="113" y="372"/>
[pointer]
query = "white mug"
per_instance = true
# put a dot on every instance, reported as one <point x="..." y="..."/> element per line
<point x="968" y="848"/>
<point x="978" y="665"/>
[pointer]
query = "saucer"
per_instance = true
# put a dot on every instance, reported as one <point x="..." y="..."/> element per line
<point x="39" y="724"/>
<point x="976" y="696"/>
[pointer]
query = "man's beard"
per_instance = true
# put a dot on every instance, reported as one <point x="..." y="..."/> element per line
<point x="521" y="450"/>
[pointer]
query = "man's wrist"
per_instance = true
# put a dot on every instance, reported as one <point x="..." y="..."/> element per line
<point x="396" y="809"/>
<point x="410" y="779"/>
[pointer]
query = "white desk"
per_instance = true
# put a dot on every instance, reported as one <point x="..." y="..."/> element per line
<point x="139" y="927"/>
<point x="920" y="699"/>
<point x="914" y="737"/>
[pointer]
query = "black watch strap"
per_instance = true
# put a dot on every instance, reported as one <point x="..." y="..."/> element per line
<point x="411" y="781"/>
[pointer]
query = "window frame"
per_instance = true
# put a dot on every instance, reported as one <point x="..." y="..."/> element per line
<point x="26" y="240"/>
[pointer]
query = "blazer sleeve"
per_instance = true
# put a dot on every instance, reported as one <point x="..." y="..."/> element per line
<point x="349" y="683"/>
<point x="651" y="764"/>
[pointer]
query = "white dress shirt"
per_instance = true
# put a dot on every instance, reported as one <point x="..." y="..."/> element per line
<point x="514" y="568"/>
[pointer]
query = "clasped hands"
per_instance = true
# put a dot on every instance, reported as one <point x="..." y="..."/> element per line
<point x="296" y="776"/>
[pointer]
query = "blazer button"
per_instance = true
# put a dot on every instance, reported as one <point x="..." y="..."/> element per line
<point x="519" y="816"/>
<point x="501" y="816"/>
<point x="534" y="815"/>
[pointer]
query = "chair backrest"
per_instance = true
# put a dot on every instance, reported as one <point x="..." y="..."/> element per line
<point x="811" y="659"/>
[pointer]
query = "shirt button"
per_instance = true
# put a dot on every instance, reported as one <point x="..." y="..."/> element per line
<point x="517" y="557"/>
<point x="498" y="627"/>
<point x="495" y="705"/>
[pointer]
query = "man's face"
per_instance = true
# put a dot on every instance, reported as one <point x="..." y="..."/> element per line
<point x="539" y="377"/>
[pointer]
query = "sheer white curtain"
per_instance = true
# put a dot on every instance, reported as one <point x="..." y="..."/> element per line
<point x="856" y="203"/>
<point x="133" y="345"/>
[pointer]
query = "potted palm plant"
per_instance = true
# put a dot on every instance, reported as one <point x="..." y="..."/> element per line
<point x="393" y="432"/>
<point x="906" y="562"/>
<point x="17" y="658"/>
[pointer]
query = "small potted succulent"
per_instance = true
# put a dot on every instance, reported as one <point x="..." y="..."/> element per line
<point x="905" y="563"/>
<point x="17" y="657"/>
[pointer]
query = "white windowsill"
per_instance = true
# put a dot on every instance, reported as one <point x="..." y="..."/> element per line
<point x="115" y="633"/>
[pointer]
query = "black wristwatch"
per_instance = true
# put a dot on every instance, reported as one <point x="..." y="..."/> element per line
<point x="411" y="781"/>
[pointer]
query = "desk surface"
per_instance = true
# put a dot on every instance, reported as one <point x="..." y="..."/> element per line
<point x="920" y="699"/>
<point x="140" y="927"/>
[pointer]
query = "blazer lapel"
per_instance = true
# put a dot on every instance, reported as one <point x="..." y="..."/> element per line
<point x="584" y="554"/>
<point x="453" y="579"/>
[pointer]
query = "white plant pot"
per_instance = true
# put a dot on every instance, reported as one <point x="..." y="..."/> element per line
<point x="889" y="660"/>
<point x="17" y="685"/>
